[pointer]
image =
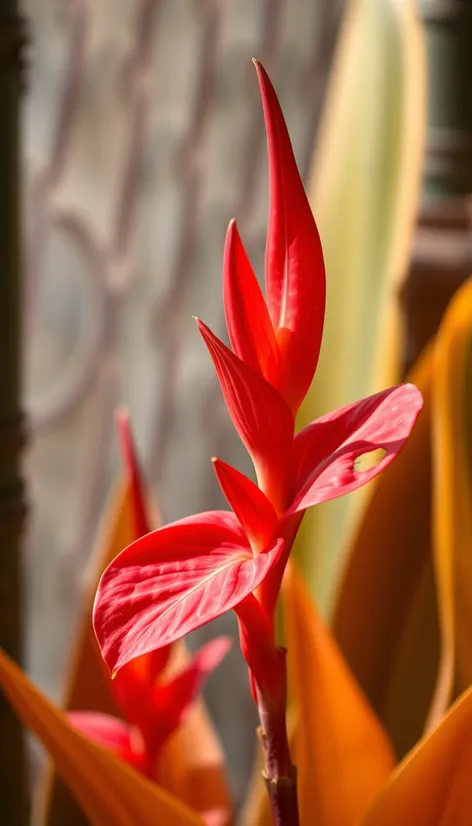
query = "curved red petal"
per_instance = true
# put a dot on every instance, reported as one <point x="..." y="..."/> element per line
<point x="164" y="705"/>
<point x="141" y="524"/>
<point x="112" y="734"/>
<point x="252" y="507"/>
<point x="173" y="699"/>
<point x="295" y="273"/>
<point x="260" y="415"/>
<point x="326" y="450"/>
<point x="249" y="326"/>
<point x="134" y="684"/>
<point x="171" y="582"/>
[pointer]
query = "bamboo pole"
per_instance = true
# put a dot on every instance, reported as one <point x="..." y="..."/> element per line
<point x="12" y="780"/>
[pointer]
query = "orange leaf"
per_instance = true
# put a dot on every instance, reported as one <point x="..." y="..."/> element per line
<point x="110" y="792"/>
<point x="192" y="762"/>
<point x="191" y="766"/>
<point x="388" y="567"/>
<point x="88" y="685"/>
<point x="452" y="494"/>
<point x="432" y="785"/>
<point x="341" y="751"/>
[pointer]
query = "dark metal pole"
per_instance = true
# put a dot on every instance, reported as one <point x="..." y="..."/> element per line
<point x="442" y="253"/>
<point x="13" y="800"/>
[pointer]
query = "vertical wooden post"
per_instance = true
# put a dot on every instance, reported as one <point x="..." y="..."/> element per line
<point x="13" y="799"/>
<point x="442" y="253"/>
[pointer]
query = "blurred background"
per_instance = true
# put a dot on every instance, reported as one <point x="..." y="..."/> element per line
<point x="142" y="135"/>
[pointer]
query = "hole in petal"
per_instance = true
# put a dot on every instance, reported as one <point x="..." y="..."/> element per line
<point x="366" y="461"/>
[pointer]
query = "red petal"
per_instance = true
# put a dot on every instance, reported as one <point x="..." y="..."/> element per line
<point x="260" y="415"/>
<point x="295" y="275"/>
<point x="112" y="734"/>
<point x="172" y="700"/>
<point x="131" y="462"/>
<point x="136" y="679"/>
<point x="325" y="451"/>
<point x="134" y="684"/>
<point x="249" y="326"/>
<point x="254" y="511"/>
<point x="172" y="581"/>
<point x="163" y="706"/>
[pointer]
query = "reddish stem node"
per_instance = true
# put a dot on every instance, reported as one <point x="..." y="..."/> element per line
<point x="280" y="776"/>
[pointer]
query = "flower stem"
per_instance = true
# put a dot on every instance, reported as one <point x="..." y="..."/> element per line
<point x="280" y="776"/>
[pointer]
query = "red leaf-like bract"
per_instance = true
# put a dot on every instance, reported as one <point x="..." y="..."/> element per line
<point x="254" y="511"/>
<point x="295" y="274"/>
<point x="249" y="326"/>
<point x="260" y="415"/>
<point x="325" y="451"/>
<point x="172" y="581"/>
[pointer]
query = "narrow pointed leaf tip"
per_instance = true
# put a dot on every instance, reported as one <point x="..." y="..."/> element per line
<point x="130" y="460"/>
<point x="174" y="580"/>
<point x="294" y="270"/>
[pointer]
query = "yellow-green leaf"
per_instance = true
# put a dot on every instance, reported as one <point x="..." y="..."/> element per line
<point x="432" y="787"/>
<point x="364" y="194"/>
<point x="342" y="753"/>
<point x="110" y="792"/>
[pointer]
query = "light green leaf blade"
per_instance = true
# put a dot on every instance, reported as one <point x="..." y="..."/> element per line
<point x="364" y="193"/>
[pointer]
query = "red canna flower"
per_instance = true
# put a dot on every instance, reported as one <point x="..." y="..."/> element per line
<point x="152" y="707"/>
<point x="324" y="456"/>
<point x="173" y="580"/>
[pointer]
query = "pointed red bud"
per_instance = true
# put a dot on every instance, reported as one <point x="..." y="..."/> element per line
<point x="249" y="326"/>
<point x="256" y="514"/>
<point x="295" y="275"/>
<point x="260" y="415"/>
